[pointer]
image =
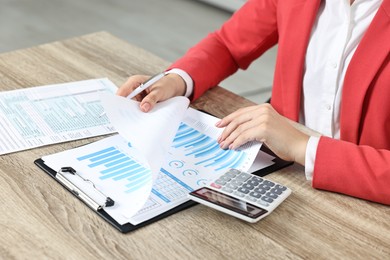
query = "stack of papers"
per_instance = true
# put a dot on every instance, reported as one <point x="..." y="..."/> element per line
<point x="156" y="159"/>
<point x="148" y="168"/>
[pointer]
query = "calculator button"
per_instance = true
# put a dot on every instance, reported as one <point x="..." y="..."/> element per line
<point x="232" y="186"/>
<point x="220" y="182"/>
<point x="228" y="190"/>
<point x="236" y="182"/>
<point x="234" y="171"/>
<point x="225" y="178"/>
<point x="280" y="187"/>
<point x="258" y="179"/>
<point x="217" y="186"/>
<point x="260" y="190"/>
<point x="230" y="174"/>
<point x="243" y="177"/>
<point x="253" y="182"/>
<point x="255" y="194"/>
<point x="250" y="198"/>
<point x="277" y="191"/>
<point x="265" y="187"/>
<point x="262" y="203"/>
<point x="240" y="194"/>
<point x="267" y="199"/>
<point x="268" y="183"/>
<point x="272" y="195"/>
<point x="248" y="186"/>
<point x="244" y="190"/>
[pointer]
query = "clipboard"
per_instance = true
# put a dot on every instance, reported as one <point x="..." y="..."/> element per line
<point x="128" y="227"/>
<point x="125" y="228"/>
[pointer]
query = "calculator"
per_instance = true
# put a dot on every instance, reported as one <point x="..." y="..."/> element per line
<point x="242" y="195"/>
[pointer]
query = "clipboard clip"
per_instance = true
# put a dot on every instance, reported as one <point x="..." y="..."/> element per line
<point x="79" y="193"/>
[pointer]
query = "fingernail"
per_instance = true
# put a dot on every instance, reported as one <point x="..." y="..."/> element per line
<point x="218" y="123"/>
<point x="145" y="107"/>
<point x="231" y="147"/>
<point x="219" y="139"/>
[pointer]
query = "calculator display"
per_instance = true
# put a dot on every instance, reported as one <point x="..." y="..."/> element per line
<point x="229" y="202"/>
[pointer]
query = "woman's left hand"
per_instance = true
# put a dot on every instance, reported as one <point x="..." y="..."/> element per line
<point x="262" y="123"/>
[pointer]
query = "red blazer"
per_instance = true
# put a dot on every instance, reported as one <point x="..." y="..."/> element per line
<point x="357" y="165"/>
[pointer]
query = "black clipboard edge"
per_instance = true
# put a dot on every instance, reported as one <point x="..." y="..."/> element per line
<point x="278" y="163"/>
<point x="125" y="228"/>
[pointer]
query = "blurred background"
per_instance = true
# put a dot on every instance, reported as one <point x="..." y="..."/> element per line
<point x="166" y="28"/>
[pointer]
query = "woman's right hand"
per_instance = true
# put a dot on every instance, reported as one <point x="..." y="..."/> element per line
<point x="170" y="85"/>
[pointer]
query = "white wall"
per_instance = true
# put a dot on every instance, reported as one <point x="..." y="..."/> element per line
<point x="230" y="5"/>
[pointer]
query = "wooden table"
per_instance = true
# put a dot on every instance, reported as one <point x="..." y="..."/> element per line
<point x="41" y="220"/>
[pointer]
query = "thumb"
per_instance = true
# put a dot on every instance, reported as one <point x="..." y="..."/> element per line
<point x="149" y="101"/>
<point x="169" y="86"/>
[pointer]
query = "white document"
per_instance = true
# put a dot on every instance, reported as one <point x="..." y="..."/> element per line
<point x="39" y="116"/>
<point x="151" y="133"/>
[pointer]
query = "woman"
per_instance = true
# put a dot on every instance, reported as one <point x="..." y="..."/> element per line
<point x="332" y="75"/>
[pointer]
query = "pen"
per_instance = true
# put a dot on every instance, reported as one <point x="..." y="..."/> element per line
<point x="146" y="84"/>
<point x="143" y="86"/>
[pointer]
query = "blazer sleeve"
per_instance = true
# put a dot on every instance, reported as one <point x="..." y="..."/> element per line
<point x="244" y="37"/>
<point x="356" y="170"/>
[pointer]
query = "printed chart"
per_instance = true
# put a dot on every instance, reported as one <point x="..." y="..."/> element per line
<point x="115" y="165"/>
<point x="167" y="190"/>
<point x="205" y="150"/>
<point x="196" y="156"/>
<point x="38" y="116"/>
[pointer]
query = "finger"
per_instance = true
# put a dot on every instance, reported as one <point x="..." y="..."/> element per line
<point x="246" y="132"/>
<point x="132" y="83"/>
<point x="229" y="118"/>
<point x="154" y="95"/>
<point x="259" y="113"/>
<point x="238" y="119"/>
<point x="255" y="133"/>
<point x="149" y="101"/>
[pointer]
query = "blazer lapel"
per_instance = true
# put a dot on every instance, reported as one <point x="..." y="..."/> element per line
<point x="300" y="18"/>
<point x="368" y="58"/>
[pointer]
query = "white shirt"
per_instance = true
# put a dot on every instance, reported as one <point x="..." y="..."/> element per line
<point x="336" y="34"/>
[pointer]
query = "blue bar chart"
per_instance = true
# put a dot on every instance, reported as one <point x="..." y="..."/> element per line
<point x="112" y="164"/>
<point x="205" y="150"/>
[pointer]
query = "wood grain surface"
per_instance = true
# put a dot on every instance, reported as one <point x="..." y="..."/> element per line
<point x="41" y="220"/>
